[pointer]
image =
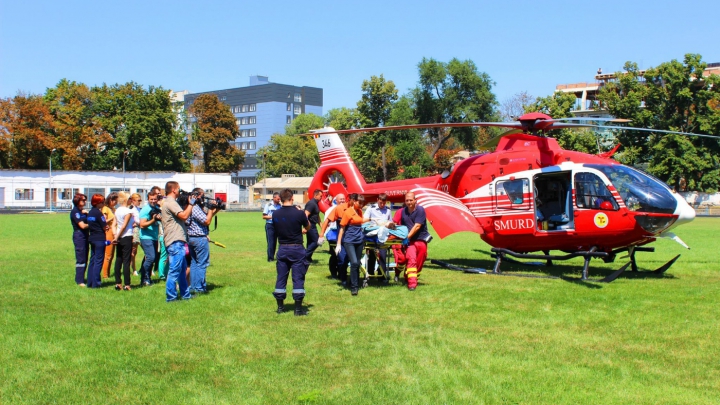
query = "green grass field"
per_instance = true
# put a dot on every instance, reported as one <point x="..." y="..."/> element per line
<point x="460" y="338"/>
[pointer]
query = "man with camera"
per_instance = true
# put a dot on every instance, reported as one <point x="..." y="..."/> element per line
<point x="198" y="239"/>
<point x="173" y="222"/>
<point x="150" y="219"/>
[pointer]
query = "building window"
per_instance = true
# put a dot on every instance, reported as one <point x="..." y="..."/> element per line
<point x="289" y="106"/>
<point x="69" y="193"/>
<point x="298" y="97"/>
<point x="248" y="133"/>
<point x="253" y="107"/>
<point x="288" y="119"/>
<point x="247" y="108"/>
<point x="246" y="120"/>
<point x="297" y="110"/>
<point x="24" y="194"/>
<point x="91" y="191"/>
<point x="251" y="145"/>
<point x="252" y="120"/>
<point x="223" y="98"/>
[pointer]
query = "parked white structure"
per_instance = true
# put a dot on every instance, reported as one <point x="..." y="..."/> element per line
<point x="31" y="188"/>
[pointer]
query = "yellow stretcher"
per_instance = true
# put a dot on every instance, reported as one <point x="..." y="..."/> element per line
<point x="373" y="248"/>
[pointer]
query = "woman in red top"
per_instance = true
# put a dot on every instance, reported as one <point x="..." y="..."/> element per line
<point x="351" y="237"/>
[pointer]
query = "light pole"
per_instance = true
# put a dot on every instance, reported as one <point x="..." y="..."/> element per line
<point x="264" y="177"/>
<point x="50" y="180"/>
<point x="124" y="156"/>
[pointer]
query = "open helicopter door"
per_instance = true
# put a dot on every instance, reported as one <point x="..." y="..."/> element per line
<point x="553" y="201"/>
<point x="513" y="207"/>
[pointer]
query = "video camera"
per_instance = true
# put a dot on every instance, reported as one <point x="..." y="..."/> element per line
<point x="183" y="198"/>
<point x="213" y="203"/>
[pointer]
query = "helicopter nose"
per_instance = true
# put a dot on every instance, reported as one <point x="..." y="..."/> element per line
<point x="684" y="211"/>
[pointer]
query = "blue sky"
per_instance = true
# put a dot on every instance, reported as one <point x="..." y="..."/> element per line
<point x="202" y="46"/>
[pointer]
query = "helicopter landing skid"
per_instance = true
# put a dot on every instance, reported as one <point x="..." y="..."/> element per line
<point x="634" y="249"/>
<point x="501" y="254"/>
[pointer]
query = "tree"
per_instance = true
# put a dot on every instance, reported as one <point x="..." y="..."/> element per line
<point x="26" y="132"/>
<point x="292" y="154"/>
<point x="142" y="122"/>
<point x="374" y="108"/>
<point x="512" y="108"/>
<point x="674" y="96"/>
<point x="452" y="92"/>
<point x="78" y="133"/>
<point x="214" y="129"/>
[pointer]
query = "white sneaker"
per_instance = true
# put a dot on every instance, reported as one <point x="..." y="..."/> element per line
<point x="135" y="273"/>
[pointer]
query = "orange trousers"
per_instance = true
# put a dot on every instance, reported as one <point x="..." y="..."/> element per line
<point x="109" y="254"/>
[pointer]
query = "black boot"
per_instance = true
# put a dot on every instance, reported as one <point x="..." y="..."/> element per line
<point x="281" y="305"/>
<point x="299" y="311"/>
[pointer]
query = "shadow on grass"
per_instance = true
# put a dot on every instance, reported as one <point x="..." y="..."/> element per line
<point x="539" y="269"/>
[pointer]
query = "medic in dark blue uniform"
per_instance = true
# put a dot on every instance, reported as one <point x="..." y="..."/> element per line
<point x="288" y="223"/>
<point x="97" y="226"/>
<point x="78" y="219"/>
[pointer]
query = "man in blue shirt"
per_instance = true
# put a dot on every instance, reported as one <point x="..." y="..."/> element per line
<point x="149" y="229"/>
<point x="269" y="231"/>
<point x="197" y="228"/>
<point x="414" y="218"/>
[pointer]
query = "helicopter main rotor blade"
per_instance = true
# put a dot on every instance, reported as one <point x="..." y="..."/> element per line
<point x="657" y="130"/>
<point x="618" y="120"/>
<point x="424" y="126"/>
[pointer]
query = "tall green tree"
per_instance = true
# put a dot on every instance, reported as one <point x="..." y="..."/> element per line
<point x="378" y="96"/>
<point x="674" y="96"/>
<point x="26" y="132"/>
<point x="290" y="153"/>
<point x="78" y="132"/>
<point x="142" y="122"/>
<point x="453" y="92"/>
<point x="215" y="129"/>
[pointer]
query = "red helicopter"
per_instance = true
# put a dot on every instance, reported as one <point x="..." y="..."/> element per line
<point x="529" y="195"/>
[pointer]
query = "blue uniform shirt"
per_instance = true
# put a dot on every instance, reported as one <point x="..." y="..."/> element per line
<point x="96" y="225"/>
<point x="416" y="217"/>
<point x="269" y="208"/>
<point x="77" y="216"/>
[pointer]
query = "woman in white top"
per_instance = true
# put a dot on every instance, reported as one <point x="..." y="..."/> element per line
<point x="125" y="216"/>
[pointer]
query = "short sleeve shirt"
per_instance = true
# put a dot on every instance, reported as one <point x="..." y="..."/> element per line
<point x="96" y="225"/>
<point x="409" y="219"/>
<point x="77" y="216"/>
<point x="174" y="228"/>
<point x="120" y="215"/>
<point x="269" y="208"/>
<point x="196" y="222"/>
<point x="352" y="221"/>
<point x="150" y="232"/>
<point x="314" y="210"/>
<point x="374" y="213"/>
<point x="109" y="215"/>
<point x="288" y="222"/>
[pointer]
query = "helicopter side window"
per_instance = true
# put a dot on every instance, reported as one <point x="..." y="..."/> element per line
<point x="513" y="192"/>
<point x="592" y="193"/>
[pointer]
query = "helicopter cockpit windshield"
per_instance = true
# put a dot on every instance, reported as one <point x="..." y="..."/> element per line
<point x="641" y="192"/>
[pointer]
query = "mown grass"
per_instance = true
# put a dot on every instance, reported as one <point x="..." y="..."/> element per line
<point x="460" y="338"/>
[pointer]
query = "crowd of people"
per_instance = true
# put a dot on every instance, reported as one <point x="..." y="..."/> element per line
<point x="174" y="239"/>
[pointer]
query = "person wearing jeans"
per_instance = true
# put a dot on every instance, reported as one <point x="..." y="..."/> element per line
<point x="197" y="227"/>
<point x="173" y="222"/>
<point x="352" y="238"/>
<point x="149" y="224"/>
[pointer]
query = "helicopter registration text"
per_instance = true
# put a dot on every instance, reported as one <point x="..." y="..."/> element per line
<point x="514" y="224"/>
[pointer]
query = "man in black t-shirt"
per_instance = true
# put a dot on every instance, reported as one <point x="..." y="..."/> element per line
<point x="313" y="215"/>
<point x="288" y="223"/>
